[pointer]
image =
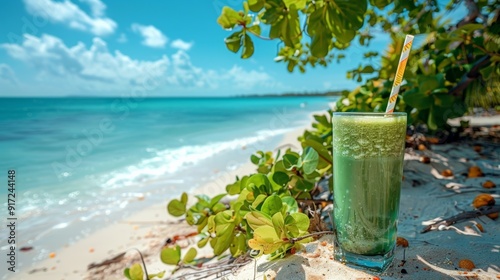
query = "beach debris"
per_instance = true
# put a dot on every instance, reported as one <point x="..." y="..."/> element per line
<point x="483" y="200"/>
<point x="35" y="270"/>
<point x="52" y="255"/>
<point x="91" y="250"/>
<point x="466" y="264"/>
<point x="447" y="173"/>
<point x="400" y="241"/>
<point x="493" y="215"/>
<point x="176" y="238"/>
<point x="477" y="148"/>
<point x="474" y="172"/>
<point x="433" y="140"/>
<point x="489" y="184"/>
<point x="425" y="160"/>
<point x="114" y="259"/>
<point x="26" y="249"/>
<point x="479" y="227"/>
<point x="483" y="210"/>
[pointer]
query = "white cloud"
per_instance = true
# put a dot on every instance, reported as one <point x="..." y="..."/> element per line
<point x="122" y="38"/>
<point x="68" y="13"/>
<point x="96" y="69"/>
<point x="152" y="37"/>
<point x="7" y="74"/>
<point x="96" y="6"/>
<point x="182" y="45"/>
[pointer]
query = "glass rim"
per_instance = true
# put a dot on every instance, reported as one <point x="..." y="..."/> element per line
<point x="398" y="114"/>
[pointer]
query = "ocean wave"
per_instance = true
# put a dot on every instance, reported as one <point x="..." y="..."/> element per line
<point x="170" y="161"/>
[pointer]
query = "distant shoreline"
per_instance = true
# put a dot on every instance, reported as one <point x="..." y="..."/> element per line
<point x="324" y="94"/>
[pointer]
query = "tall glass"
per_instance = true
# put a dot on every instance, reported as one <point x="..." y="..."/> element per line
<point x="368" y="152"/>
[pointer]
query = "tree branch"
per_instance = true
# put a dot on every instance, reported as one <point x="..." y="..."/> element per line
<point x="470" y="76"/>
<point x="485" y="210"/>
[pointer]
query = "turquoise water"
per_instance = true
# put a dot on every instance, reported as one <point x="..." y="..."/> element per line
<point x="83" y="162"/>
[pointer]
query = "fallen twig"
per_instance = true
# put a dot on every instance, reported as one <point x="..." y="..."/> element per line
<point x="485" y="210"/>
<point x="114" y="259"/>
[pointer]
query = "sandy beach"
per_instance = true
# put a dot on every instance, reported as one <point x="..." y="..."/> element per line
<point x="427" y="196"/>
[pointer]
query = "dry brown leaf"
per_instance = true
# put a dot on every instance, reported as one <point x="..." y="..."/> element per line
<point x="447" y="173"/>
<point x="425" y="159"/>
<point x="475" y="172"/>
<point x="489" y="184"/>
<point x="480" y="227"/>
<point x="466" y="264"/>
<point x="400" y="241"/>
<point x="493" y="215"/>
<point x="483" y="199"/>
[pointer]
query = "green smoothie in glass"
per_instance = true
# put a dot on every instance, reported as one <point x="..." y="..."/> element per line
<point x="368" y="151"/>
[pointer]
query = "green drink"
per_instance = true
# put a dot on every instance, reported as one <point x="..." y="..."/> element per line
<point x="368" y="151"/>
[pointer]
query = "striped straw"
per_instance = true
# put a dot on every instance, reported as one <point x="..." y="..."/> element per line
<point x="399" y="74"/>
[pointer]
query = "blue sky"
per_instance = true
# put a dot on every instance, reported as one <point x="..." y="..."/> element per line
<point x="170" y="48"/>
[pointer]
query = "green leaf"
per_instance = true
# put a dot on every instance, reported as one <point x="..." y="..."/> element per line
<point x="189" y="256"/>
<point x="239" y="245"/>
<point x="259" y="180"/>
<point x="126" y="272"/>
<point x="431" y="122"/>
<point x="291" y="204"/>
<point x="255" y="29"/>
<point x="380" y="3"/>
<point x="290" y="161"/>
<point x="281" y="178"/>
<point x="297" y="4"/>
<point x="233" y="42"/>
<point x="322" y="150"/>
<point x="309" y="160"/>
<point x="290" y="28"/>
<point x="321" y="38"/>
<point x="229" y="18"/>
<point x="271" y="205"/>
<point x="234" y="188"/>
<point x="158" y="275"/>
<point x="184" y="198"/>
<point x="469" y="28"/>
<point x="345" y="14"/>
<point x="176" y="208"/>
<point x="254" y="159"/>
<point x="265" y="240"/>
<point x="417" y="99"/>
<point x="367" y="69"/>
<point x="486" y="72"/>
<point x="256" y="5"/>
<point x="444" y="100"/>
<point x="279" y="224"/>
<point x="442" y="44"/>
<point x="247" y="47"/>
<point x="428" y="83"/>
<point x="171" y="255"/>
<point x="136" y="272"/>
<point x="203" y="242"/>
<point x="303" y="184"/>
<point x="216" y="199"/>
<point x="322" y="119"/>
<point x="301" y="221"/>
<point x="257" y="219"/>
<point x="258" y="200"/>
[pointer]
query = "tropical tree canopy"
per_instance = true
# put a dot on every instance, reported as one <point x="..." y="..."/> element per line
<point x="456" y="68"/>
